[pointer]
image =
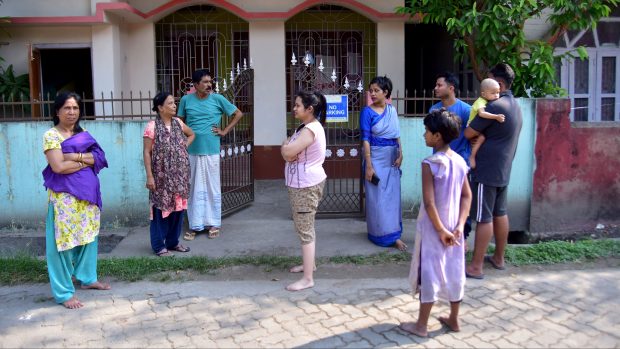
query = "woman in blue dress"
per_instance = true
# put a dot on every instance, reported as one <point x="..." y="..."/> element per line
<point x="382" y="159"/>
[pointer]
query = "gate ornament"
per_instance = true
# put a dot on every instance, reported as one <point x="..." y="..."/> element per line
<point x="321" y="67"/>
<point x="359" y="86"/>
<point x="293" y="60"/>
<point x="346" y="83"/>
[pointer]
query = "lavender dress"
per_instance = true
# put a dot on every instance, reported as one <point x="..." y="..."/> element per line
<point x="438" y="271"/>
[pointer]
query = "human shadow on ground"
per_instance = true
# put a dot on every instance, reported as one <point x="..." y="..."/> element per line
<point x="377" y="336"/>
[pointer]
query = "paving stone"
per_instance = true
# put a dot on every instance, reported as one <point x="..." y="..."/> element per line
<point x="533" y="310"/>
<point x="358" y="344"/>
<point x="360" y="323"/>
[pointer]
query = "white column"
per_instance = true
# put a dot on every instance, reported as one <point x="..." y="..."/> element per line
<point x="138" y="71"/>
<point x="391" y="54"/>
<point x="138" y="54"/>
<point x="106" y="64"/>
<point x="267" y="46"/>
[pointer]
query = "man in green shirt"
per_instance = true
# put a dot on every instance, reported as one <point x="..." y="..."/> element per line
<point x="202" y="112"/>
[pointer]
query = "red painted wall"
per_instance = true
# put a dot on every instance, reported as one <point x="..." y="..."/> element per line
<point x="577" y="173"/>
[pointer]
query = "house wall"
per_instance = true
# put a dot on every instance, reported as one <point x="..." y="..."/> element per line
<point x="22" y="195"/>
<point x="138" y="58"/>
<point x="519" y="190"/>
<point x="37" y="8"/>
<point x="576" y="182"/>
<point x="16" y="52"/>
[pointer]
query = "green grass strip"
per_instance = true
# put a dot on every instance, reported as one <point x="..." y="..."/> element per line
<point x="27" y="269"/>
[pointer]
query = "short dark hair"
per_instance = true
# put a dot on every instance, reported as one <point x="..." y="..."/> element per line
<point x="384" y="84"/>
<point x="60" y="101"/>
<point x="503" y="71"/>
<point x="199" y="74"/>
<point x="446" y="123"/>
<point x="159" y="100"/>
<point x="450" y="79"/>
<point x="317" y="101"/>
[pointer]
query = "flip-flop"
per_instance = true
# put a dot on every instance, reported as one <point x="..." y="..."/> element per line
<point x="189" y="235"/>
<point x="493" y="264"/>
<point x="213" y="233"/>
<point x="180" y="248"/>
<point x="164" y="253"/>
<point x="472" y="276"/>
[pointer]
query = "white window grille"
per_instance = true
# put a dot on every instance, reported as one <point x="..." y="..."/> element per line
<point x="593" y="84"/>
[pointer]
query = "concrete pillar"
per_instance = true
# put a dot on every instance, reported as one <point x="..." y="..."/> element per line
<point x="107" y="55"/>
<point x="267" y="45"/>
<point x="391" y="53"/>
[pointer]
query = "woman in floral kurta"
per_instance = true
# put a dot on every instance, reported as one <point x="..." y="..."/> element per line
<point x="166" y="163"/>
<point x="74" y="206"/>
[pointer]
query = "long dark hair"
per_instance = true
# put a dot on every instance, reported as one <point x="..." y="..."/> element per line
<point x="60" y="101"/>
<point x="317" y="101"/>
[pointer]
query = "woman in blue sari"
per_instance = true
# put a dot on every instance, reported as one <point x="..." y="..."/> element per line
<point x="382" y="159"/>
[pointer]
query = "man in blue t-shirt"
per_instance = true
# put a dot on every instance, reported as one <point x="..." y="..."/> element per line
<point x="203" y="112"/>
<point x="445" y="89"/>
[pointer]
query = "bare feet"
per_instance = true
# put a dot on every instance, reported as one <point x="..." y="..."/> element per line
<point x="453" y="326"/>
<point x="300" y="284"/>
<point x="97" y="285"/>
<point x="299" y="269"/>
<point x="399" y="244"/>
<point x="73" y="303"/>
<point x="412" y="327"/>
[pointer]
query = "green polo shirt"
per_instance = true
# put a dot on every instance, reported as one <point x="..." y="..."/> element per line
<point x="201" y="115"/>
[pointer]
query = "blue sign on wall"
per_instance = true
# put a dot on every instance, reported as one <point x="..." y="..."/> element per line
<point x="337" y="108"/>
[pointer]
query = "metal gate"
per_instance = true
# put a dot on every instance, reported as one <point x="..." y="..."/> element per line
<point x="208" y="37"/>
<point x="333" y="50"/>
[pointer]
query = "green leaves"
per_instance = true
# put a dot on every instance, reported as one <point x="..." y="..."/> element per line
<point x="13" y="87"/>
<point x="496" y="30"/>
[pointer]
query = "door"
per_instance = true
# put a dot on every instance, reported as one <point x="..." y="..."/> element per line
<point x="34" y="73"/>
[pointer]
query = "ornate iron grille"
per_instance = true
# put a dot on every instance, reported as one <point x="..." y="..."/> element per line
<point x="333" y="50"/>
<point x="206" y="37"/>
<point x="237" y="178"/>
<point x="198" y="37"/>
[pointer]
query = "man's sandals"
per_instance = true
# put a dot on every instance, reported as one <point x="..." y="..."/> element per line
<point x="213" y="233"/>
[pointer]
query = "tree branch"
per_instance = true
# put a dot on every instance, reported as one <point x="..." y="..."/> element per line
<point x="471" y="53"/>
<point x="559" y="32"/>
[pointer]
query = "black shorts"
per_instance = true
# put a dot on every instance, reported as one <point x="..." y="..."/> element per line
<point x="487" y="202"/>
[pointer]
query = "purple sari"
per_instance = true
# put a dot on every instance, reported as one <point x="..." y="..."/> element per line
<point x="83" y="184"/>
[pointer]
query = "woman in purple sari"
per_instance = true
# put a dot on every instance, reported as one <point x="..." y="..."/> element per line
<point x="74" y="202"/>
<point x="382" y="158"/>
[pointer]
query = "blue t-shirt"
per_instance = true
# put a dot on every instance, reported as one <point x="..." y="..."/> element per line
<point x="460" y="145"/>
<point x="201" y="115"/>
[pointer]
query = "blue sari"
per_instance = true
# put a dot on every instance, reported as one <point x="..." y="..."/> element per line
<point x="383" y="208"/>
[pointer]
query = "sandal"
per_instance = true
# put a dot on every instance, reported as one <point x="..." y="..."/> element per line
<point x="213" y="233"/>
<point x="180" y="248"/>
<point x="164" y="253"/>
<point x="189" y="235"/>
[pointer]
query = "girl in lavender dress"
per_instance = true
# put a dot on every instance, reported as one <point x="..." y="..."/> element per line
<point x="438" y="260"/>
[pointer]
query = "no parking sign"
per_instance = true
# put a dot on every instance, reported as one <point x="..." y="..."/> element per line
<point x="337" y="108"/>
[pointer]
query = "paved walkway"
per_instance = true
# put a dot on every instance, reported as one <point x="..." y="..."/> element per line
<point x="548" y="309"/>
